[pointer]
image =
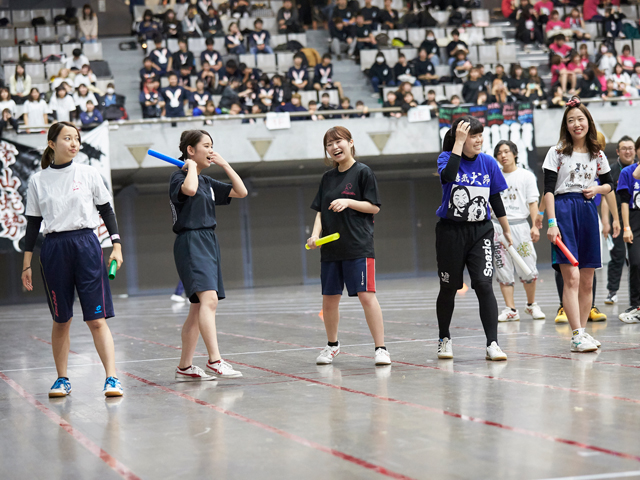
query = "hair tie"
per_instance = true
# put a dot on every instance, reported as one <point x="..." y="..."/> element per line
<point x="574" y="102"/>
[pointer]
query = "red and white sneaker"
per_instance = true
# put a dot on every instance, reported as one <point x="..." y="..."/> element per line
<point x="192" y="374"/>
<point x="223" y="369"/>
<point x="509" y="315"/>
<point x="327" y="355"/>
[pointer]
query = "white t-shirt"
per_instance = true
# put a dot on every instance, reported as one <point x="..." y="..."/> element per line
<point x="62" y="107"/>
<point x="36" y="111"/>
<point x="81" y="79"/>
<point x="522" y="191"/>
<point x="73" y="63"/>
<point x="58" y="81"/>
<point x="10" y="104"/>
<point x="66" y="198"/>
<point x="577" y="172"/>
<point x="82" y="101"/>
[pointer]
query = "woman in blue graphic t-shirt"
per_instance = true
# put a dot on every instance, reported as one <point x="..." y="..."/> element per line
<point x="470" y="182"/>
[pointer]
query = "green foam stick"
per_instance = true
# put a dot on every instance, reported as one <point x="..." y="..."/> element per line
<point x="112" y="269"/>
<point x="329" y="238"/>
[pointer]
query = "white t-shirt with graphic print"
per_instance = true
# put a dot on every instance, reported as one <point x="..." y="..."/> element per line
<point x="522" y="191"/>
<point x="577" y="172"/>
<point x="66" y="198"/>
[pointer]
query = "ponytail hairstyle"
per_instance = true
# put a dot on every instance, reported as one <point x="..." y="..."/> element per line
<point x="333" y="134"/>
<point x="49" y="156"/>
<point x="191" y="138"/>
<point x="450" y="137"/>
<point x="565" y="143"/>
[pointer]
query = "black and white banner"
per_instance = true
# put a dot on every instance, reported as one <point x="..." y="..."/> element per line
<point x="19" y="162"/>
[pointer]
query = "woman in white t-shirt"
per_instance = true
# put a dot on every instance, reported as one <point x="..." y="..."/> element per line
<point x="20" y="84"/>
<point x="520" y="201"/>
<point x="62" y="105"/>
<point x="570" y="172"/>
<point x="67" y="200"/>
<point x="36" y="109"/>
<point x="82" y="96"/>
<point x="62" y="79"/>
<point x="7" y="102"/>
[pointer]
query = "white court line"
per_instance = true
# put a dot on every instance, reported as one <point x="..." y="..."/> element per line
<point x="634" y="473"/>
<point x="251" y="353"/>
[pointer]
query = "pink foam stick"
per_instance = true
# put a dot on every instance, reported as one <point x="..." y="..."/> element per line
<point x="560" y="244"/>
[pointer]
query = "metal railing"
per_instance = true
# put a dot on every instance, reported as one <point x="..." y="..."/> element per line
<point x="115" y="124"/>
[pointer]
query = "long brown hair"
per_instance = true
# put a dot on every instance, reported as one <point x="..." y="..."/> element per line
<point x="333" y="134"/>
<point x="565" y="143"/>
<point x="49" y="156"/>
<point x="191" y="138"/>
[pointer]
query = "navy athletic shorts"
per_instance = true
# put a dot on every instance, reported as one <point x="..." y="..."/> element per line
<point x="578" y="223"/>
<point x="197" y="257"/>
<point x="71" y="260"/>
<point x="358" y="275"/>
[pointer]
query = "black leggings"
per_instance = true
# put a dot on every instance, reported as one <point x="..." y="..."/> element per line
<point x="488" y="310"/>
<point x="560" y="287"/>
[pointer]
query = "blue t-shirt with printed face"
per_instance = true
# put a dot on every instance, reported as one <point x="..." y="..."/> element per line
<point x="630" y="184"/>
<point x="466" y="199"/>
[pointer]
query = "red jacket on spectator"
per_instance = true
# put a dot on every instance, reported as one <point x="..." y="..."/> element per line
<point x="507" y="8"/>
<point x="552" y="25"/>
<point x="544" y="8"/>
<point x="590" y="8"/>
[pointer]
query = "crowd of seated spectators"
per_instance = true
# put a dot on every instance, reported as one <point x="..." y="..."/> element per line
<point x="72" y="96"/>
<point x="607" y="73"/>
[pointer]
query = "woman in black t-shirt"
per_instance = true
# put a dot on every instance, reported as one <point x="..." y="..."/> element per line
<point x="346" y="202"/>
<point x="196" y="251"/>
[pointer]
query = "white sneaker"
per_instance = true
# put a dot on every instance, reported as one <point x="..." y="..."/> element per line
<point x="630" y="315"/>
<point x="222" y="369"/>
<point x="445" y="348"/>
<point x="177" y="298"/>
<point x="509" y="315"/>
<point x="582" y="343"/>
<point x="328" y="354"/>
<point x="382" y="357"/>
<point x="535" y="311"/>
<point x="495" y="353"/>
<point x="598" y="344"/>
<point x="192" y="374"/>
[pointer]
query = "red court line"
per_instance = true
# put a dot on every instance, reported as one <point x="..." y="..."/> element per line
<point x="116" y="465"/>
<point x="463" y="346"/>
<point x="523" y="431"/>
<point x="443" y="412"/>
<point x="302" y="441"/>
<point x="430" y="367"/>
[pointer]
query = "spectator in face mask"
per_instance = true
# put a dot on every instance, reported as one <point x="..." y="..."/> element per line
<point x="381" y="74"/>
<point x="431" y="46"/>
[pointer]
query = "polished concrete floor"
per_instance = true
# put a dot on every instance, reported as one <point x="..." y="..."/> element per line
<point x="545" y="413"/>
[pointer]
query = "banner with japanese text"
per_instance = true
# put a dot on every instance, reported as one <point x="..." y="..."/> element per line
<point x="19" y="162"/>
<point x="502" y="121"/>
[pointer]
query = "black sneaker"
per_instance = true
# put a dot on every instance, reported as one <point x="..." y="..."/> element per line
<point x="611" y="298"/>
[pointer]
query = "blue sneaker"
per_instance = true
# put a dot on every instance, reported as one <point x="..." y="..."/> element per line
<point x="113" y="387"/>
<point x="61" y="388"/>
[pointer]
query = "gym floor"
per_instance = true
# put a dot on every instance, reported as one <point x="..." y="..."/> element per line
<point x="545" y="413"/>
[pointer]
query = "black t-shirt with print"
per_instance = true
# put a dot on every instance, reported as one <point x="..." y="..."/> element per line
<point x="355" y="228"/>
<point x="199" y="211"/>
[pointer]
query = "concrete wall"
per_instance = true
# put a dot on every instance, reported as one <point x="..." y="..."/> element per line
<point x="262" y="236"/>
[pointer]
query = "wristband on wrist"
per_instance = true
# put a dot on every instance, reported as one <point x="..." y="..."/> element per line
<point x="541" y="214"/>
<point x="626" y="229"/>
<point x="553" y="223"/>
<point x="28" y="268"/>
